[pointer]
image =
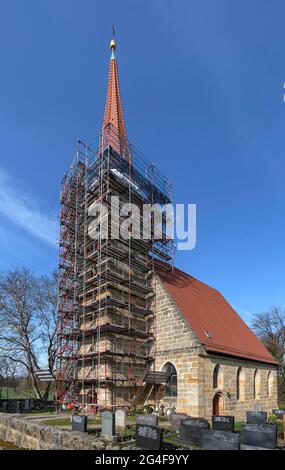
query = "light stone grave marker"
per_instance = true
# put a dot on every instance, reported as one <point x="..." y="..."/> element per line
<point x="108" y="424"/>
<point x="121" y="420"/>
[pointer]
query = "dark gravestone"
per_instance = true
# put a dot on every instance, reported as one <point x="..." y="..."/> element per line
<point x="220" y="440"/>
<point x="223" y="423"/>
<point x="176" y="419"/>
<point x="259" y="435"/>
<point x="148" y="437"/>
<point x="4" y="406"/>
<point x="150" y="420"/>
<point x="13" y="406"/>
<point x="190" y="430"/>
<point x="22" y="405"/>
<point x="108" y="424"/>
<point x="256" y="417"/>
<point x="279" y="413"/>
<point x="79" y="423"/>
<point x="26" y="406"/>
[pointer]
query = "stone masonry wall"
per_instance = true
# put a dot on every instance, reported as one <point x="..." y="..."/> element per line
<point x="266" y="394"/>
<point x="176" y="343"/>
<point x="31" y="435"/>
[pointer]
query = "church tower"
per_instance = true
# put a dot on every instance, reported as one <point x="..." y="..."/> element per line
<point x="106" y="328"/>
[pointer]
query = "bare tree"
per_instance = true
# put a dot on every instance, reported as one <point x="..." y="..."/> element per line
<point x="9" y="374"/>
<point x="270" y="328"/>
<point x="27" y="322"/>
<point x="47" y="311"/>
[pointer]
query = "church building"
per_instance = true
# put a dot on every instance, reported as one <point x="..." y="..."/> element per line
<point x="133" y="329"/>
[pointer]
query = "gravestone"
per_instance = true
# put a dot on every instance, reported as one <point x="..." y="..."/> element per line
<point x="150" y="420"/>
<point x="257" y="406"/>
<point x="108" y="424"/>
<point x="259" y="435"/>
<point x="219" y="440"/>
<point x="279" y="413"/>
<point x="190" y="430"/>
<point x="26" y="405"/>
<point x="256" y="417"/>
<point x="14" y="406"/>
<point x="121" y="420"/>
<point x="79" y="423"/>
<point x="4" y="406"/>
<point x="176" y="419"/>
<point x="223" y="423"/>
<point x="148" y="437"/>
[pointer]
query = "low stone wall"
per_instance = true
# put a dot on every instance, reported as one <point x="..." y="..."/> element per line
<point x="31" y="435"/>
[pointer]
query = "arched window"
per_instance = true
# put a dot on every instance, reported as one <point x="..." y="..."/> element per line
<point x="270" y="381"/>
<point x="216" y="376"/>
<point x="238" y="383"/>
<point x="256" y="384"/>
<point x="171" y="384"/>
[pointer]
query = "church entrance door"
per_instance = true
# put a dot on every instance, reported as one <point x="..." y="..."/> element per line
<point x="217" y="404"/>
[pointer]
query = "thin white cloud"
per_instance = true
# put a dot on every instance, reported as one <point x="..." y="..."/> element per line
<point x="23" y="209"/>
<point x="247" y="316"/>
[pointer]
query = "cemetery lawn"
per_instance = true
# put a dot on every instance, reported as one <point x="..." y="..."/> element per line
<point x="8" y="446"/>
<point x="19" y="393"/>
<point x="57" y="421"/>
<point x="175" y="441"/>
<point x="238" y="425"/>
<point x="45" y="411"/>
<point x="65" y="421"/>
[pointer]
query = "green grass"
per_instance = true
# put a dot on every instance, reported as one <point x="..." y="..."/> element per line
<point x="20" y="393"/>
<point x="65" y="421"/>
<point x="238" y="425"/>
<point x="46" y="411"/>
<point x="175" y="441"/>
<point x="57" y="422"/>
<point x="8" y="446"/>
<point x="10" y="393"/>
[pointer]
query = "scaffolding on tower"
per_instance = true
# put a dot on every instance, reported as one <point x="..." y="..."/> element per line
<point x="106" y="321"/>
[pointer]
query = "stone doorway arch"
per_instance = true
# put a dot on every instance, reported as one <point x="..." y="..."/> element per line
<point x="218" y="404"/>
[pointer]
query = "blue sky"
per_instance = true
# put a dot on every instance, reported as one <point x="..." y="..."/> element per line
<point x="202" y="85"/>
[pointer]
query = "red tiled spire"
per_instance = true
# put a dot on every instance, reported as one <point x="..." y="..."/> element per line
<point x="113" y="129"/>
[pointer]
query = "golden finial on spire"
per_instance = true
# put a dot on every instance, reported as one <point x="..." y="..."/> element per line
<point x="113" y="44"/>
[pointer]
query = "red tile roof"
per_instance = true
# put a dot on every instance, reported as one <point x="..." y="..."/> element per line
<point x="208" y="313"/>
